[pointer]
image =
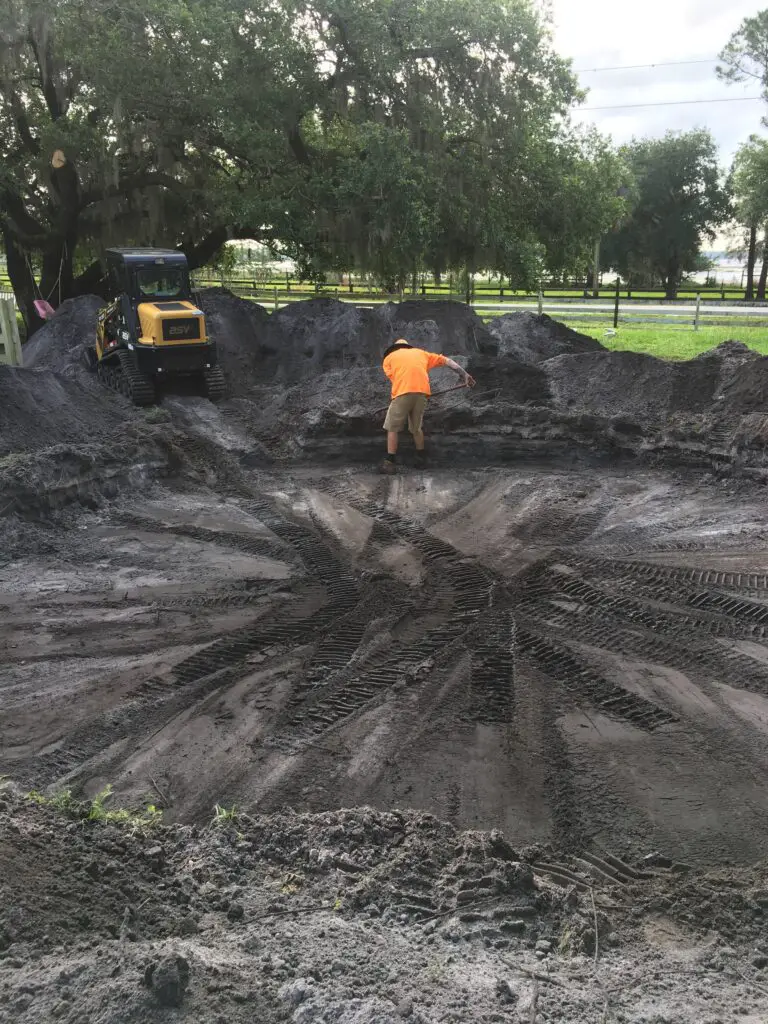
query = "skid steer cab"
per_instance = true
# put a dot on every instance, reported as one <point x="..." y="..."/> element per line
<point x="152" y="332"/>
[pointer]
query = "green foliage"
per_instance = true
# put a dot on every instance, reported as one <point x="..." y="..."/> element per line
<point x="384" y="135"/>
<point x="745" y="56"/>
<point x="96" y="809"/>
<point x="224" y="260"/>
<point x="679" y="198"/>
<point x="749" y="182"/>
<point x="224" y="815"/>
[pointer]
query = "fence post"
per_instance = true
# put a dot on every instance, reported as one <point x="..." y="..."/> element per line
<point x="541" y="301"/>
<point x="616" y="306"/>
<point x="275" y="298"/>
<point x="698" y="312"/>
<point x="10" y="344"/>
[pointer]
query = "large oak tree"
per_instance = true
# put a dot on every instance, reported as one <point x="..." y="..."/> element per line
<point x="371" y="134"/>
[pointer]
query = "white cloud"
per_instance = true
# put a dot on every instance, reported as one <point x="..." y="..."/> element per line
<point x="596" y="34"/>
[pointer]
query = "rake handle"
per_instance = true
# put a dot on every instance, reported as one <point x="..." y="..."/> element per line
<point x="435" y="394"/>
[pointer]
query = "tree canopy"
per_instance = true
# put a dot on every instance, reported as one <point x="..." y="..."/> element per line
<point x="679" y="198"/>
<point x="745" y="56"/>
<point x="383" y="135"/>
<point x="749" y="183"/>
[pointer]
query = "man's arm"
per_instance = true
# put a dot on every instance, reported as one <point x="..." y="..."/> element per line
<point x="468" y="380"/>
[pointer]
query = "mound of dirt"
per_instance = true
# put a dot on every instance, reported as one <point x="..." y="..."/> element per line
<point x="745" y="389"/>
<point x="633" y="384"/>
<point x="245" y="339"/>
<point x="324" y="335"/>
<point x="321" y="335"/>
<point x="531" y="338"/>
<point x="60" y="342"/>
<point x="40" y="408"/>
<point x="449" y="327"/>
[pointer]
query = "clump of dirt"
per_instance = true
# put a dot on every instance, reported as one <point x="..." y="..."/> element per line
<point x="534" y="338"/>
<point x="353" y="916"/>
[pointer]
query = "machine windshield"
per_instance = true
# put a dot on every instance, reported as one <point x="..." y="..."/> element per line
<point x="161" y="282"/>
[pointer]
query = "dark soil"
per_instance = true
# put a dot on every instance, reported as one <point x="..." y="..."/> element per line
<point x="353" y="916"/>
<point x="534" y="338"/>
<point x="60" y="342"/>
<point x="242" y="334"/>
<point x="40" y="409"/>
<point x="556" y="629"/>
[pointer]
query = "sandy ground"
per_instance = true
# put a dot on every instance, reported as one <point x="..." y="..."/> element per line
<point x="574" y="657"/>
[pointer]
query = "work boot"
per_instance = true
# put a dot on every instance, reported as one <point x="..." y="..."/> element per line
<point x="388" y="466"/>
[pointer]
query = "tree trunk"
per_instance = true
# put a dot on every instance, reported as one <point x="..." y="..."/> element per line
<point x="751" y="260"/>
<point x="22" y="282"/>
<point x="670" y="281"/>
<point x="763" y="272"/>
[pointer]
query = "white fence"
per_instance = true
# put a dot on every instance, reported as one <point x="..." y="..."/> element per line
<point x="638" y="313"/>
<point x="10" y="345"/>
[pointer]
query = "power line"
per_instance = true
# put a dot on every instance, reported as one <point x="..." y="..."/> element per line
<point x="673" y="103"/>
<point x="638" y="67"/>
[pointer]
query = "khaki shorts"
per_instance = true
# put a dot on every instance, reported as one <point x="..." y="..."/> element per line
<point x="406" y="408"/>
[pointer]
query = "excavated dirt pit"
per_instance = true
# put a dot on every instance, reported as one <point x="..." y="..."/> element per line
<point x="556" y="630"/>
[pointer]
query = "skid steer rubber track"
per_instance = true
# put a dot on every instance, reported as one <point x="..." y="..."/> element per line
<point x="215" y="384"/>
<point x="128" y="380"/>
<point x="135" y="385"/>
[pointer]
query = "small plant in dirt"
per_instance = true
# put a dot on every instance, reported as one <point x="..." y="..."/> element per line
<point x="224" y="815"/>
<point x="96" y="810"/>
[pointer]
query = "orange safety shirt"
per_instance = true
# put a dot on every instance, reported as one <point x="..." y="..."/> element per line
<point x="408" y="369"/>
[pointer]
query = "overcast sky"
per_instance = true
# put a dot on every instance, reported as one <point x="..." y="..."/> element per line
<point x="597" y="34"/>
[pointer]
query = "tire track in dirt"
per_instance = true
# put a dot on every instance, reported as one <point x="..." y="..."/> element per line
<point x="477" y="593"/>
<point x="219" y="664"/>
<point x="257" y="546"/>
<point x="567" y="602"/>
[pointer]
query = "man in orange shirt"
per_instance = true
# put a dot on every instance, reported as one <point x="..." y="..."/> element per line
<point x="408" y="369"/>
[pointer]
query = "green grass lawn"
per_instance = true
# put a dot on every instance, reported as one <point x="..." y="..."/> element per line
<point x="676" y="343"/>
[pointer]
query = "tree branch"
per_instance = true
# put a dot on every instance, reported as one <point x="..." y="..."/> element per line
<point x="298" y="147"/>
<point x="133" y="183"/>
<point x="47" y="81"/>
<point x="22" y="124"/>
<point x="200" y="254"/>
<point x="19" y="222"/>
